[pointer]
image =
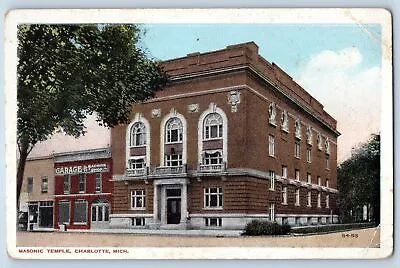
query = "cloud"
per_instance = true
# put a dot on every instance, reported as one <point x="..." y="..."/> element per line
<point x="349" y="93"/>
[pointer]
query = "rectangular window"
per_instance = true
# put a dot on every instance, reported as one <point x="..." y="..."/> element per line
<point x="173" y="160"/>
<point x="327" y="161"/>
<point x="213" y="197"/>
<point x="309" y="199"/>
<point x="297" y="174"/>
<point x="319" y="200"/>
<point x="44" y="186"/>
<point x="297" y="202"/>
<point x="309" y="178"/>
<point x="271" y="145"/>
<point x="136" y="163"/>
<point x="284" y="195"/>
<point x="63" y="212"/>
<point x="140" y="221"/>
<point x="82" y="183"/>
<point x="319" y="180"/>
<point x="327" y="183"/>
<point x="29" y="186"/>
<point x="297" y="149"/>
<point x="272" y="180"/>
<point x="80" y="211"/>
<point x="272" y="211"/>
<point x="284" y="172"/>
<point x="215" y="222"/>
<point x="308" y="155"/>
<point x="138" y="199"/>
<point x="99" y="183"/>
<point x="67" y="185"/>
<point x="327" y="201"/>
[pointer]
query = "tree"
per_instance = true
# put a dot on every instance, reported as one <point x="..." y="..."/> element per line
<point x="359" y="180"/>
<point x="66" y="72"/>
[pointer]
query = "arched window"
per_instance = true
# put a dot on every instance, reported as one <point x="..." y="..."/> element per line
<point x="138" y="134"/>
<point x="213" y="126"/>
<point x="174" y="130"/>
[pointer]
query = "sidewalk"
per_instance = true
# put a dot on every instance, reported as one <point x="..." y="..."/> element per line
<point x="166" y="232"/>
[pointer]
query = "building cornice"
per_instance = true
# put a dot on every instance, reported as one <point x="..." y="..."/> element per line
<point x="253" y="70"/>
<point x="101" y="153"/>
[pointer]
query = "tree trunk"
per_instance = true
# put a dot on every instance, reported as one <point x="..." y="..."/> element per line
<point x="23" y="155"/>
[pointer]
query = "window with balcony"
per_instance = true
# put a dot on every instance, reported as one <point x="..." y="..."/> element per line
<point x="138" y="135"/>
<point x="136" y="166"/>
<point x="213" y="126"/>
<point x="309" y="178"/>
<point x="173" y="160"/>
<point x="212" y="158"/>
<point x="173" y="130"/>
<point x="213" y="197"/>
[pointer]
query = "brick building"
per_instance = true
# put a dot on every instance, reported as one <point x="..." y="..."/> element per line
<point x="83" y="189"/>
<point x="231" y="139"/>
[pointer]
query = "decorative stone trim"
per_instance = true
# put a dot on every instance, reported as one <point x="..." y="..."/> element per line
<point x="156" y="113"/>
<point x="193" y="108"/>
<point x="272" y="114"/>
<point x="234" y="100"/>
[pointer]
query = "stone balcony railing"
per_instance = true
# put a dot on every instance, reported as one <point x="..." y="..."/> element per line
<point x="169" y="170"/>
<point x="212" y="167"/>
<point x="138" y="172"/>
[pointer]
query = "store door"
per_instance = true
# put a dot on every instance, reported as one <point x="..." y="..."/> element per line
<point x="46" y="214"/>
<point x="100" y="215"/>
<point x="173" y="206"/>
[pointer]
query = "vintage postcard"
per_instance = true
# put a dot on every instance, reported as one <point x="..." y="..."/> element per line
<point x="187" y="134"/>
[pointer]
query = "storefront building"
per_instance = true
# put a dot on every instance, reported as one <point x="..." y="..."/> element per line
<point x="37" y="193"/>
<point x="83" y="189"/>
<point x="233" y="138"/>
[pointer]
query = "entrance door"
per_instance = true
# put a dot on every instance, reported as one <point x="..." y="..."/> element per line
<point x="46" y="217"/>
<point x="100" y="215"/>
<point x="173" y="210"/>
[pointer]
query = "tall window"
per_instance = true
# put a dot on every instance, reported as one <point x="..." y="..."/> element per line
<point x="138" y="198"/>
<point x="327" y="161"/>
<point x="309" y="199"/>
<point x="327" y="183"/>
<point x="82" y="183"/>
<point x="213" y="197"/>
<point x="67" y="185"/>
<point x="308" y="155"/>
<point x="173" y="160"/>
<point x="327" y="201"/>
<point x="271" y="145"/>
<point x="319" y="200"/>
<point x="272" y="179"/>
<point x="98" y="182"/>
<point x="44" y="186"/>
<point x="174" y="130"/>
<point x="272" y="211"/>
<point x="29" y="186"/>
<point x="63" y="212"/>
<point x="212" y="158"/>
<point x="80" y="211"/>
<point x="297" y="174"/>
<point x="297" y="195"/>
<point x="319" y="180"/>
<point x="284" y="171"/>
<point x="284" y="195"/>
<point x="309" y="178"/>
<point x="213" y="126"/>
<point x="138" y="134"/>
<point x="297" y="149"/>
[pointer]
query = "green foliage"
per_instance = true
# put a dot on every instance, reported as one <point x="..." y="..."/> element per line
<point x="359" y="181"/>
<point x="66" y="72"/>
<point x="256" y="228"/>
<point x="330" y="228"/>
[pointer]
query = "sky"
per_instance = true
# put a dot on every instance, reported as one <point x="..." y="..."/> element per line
<point x="338" y="64"/>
